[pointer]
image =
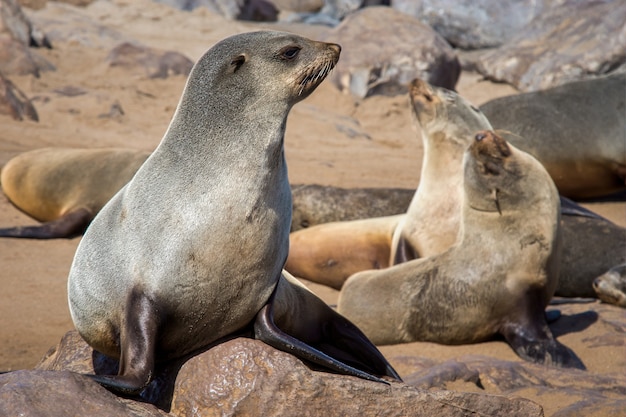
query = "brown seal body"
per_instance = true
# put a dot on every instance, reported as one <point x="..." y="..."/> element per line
<point x="497" y="278"/>
<point x="576" y="130"/>
<point x="65" y="188"/>
<point x="192" y="248"/>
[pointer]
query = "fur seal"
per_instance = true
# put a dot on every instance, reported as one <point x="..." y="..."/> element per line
<point x="497" y="279"/>
<point x="591" y="244"/>
<point x="317" y="204"/>
<point x="611" y="286"/>
<point x="65" y="187"/>
<point x="575" y="130"/>
<point x="192" y="248"/>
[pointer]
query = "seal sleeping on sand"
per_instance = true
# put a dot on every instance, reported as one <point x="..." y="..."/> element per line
<point x="192" y="248"/>
<point x="497" y="279"/>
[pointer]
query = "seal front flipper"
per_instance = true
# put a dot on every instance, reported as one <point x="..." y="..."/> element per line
<point x="69" y="225"/>
<point x="534" y="342"/>
<point x="296" y="321"/>
<point x="138" y="336"/>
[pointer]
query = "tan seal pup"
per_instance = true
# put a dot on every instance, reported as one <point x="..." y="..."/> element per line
<point x="192" y="249"/>
<point x="65" y="187"/>
<point x="576" y="130"/>
<point x="497" y="278"/>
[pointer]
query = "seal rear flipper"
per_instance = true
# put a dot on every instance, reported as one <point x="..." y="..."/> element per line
<point x="138" y="344"/>
<point x="69" y="225"/>
<point x="535" y="343"/>
<point x="294" y="320"/>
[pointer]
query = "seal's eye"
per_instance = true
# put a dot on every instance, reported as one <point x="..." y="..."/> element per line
<point x="290" y="52"/>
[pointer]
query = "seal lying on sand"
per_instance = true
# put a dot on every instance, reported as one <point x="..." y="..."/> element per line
<point x="576" y="130"/>
<point x="192" y="248"/>
<point x="497" y="279"/>
<point x="592" y="244"/>
<point x="65" y="187"/>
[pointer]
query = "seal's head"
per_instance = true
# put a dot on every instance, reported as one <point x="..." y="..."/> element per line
<point x="499" y="177"/>
<point x="444" y="113"/>
<point x="611" y="286"/>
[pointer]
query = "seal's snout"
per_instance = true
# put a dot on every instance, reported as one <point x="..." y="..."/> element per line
<point x="335" y="47"/>
<point x="490" y="143"/>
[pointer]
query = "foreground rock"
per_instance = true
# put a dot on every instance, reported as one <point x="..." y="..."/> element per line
<point x="384" y="49"/>
<point x="238" y="377"/>
<point x="576" y="41"/>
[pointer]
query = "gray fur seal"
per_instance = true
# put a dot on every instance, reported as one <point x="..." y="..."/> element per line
<point x="576" y="130"/>
<point x="65" y="187"/>
<point x="498" y="277"/>
<point x="192" y="248"/>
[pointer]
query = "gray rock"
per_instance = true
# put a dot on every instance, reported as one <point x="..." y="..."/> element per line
<point x="475" y="24"/>
<point x="246" y="377"/>
<point x="15" y="22"/>
<point x="15" y="103"/>
<point x="384" y="49"/>
<point x="578" y="40"/>
<point x="153" y="62"/>
<point x="255" y="10"/>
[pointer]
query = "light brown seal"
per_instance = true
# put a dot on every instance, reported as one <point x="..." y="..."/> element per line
<point x="192" y="248"/>
<point x="576" y="130"/>
<point x="65" y="187"/>
<point x="497" y="278"/>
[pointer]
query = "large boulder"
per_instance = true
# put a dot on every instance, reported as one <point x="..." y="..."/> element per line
<point x="575" y="41"/>
<point x="384" y="49"/>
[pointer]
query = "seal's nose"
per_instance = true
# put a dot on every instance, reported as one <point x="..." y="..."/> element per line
<point x="335" y="47"/>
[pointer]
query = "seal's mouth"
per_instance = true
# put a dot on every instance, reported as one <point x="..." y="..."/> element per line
<point x="314" y="75"/>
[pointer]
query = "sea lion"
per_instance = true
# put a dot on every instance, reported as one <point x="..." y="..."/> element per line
<point x="65" y="187"/>
<point x="192" y="248"/>
<point x="497" y="279"/>
<point x="576" y="130"/>
<point x="611" y="286"/>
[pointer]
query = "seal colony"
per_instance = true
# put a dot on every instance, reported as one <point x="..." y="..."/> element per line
<point x="192" y="249"/>
<point x="327" y="253"/>
<point x="467" y="294"/>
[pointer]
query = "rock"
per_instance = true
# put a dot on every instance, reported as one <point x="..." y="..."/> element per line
<point x="254" y="10"/>
<point x="154" y="63"/>
<point x="580" y="392"/>
<point x="331" y="14"/>
<point x="475" y="24"/>
<point x="384" y="49"/>
<point x="575" y="41"/>
<point x="301" y="6"/>
<point x="63" y="393"/>
<point x="15" y="103"/>
<point x="247" y="377"/>
<point x="18" y="59"/>
<point x="15" y="22"/>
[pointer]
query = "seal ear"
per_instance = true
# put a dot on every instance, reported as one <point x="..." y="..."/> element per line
<point x="237" y="62"/>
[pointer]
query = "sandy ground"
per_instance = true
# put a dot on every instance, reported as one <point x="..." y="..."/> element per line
<point x="331" y="139"/>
